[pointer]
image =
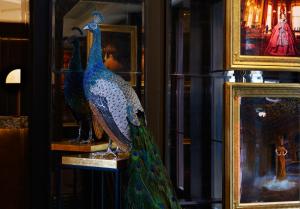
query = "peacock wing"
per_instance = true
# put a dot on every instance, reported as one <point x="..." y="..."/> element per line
<point x="110" y="110"/>
<point x="96" y="121"/>
<point x="133" y="101"/>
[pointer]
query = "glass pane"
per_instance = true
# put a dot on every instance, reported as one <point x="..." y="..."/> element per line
<point x="14" y="11"/>
<point x="180" y="89"/>
<point x="195" y="102"/>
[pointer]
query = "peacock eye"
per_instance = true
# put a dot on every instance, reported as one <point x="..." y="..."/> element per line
<point x="135" y="153"/>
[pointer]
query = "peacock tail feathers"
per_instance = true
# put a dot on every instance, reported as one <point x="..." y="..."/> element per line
<point x="149" y="186"/>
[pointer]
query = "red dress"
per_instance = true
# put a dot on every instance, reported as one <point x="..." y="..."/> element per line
<point x="282" y="41"/>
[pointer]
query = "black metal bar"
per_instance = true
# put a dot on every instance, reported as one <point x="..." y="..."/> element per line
<point x="200" y="202"/>
<point x="117" y="189"/>
<point x="179" y="104"/>
<point x="92" y="189"/>
<point x="58" y="187"/>
<point x="102" y="190"/>
<point x="75" y="184"/>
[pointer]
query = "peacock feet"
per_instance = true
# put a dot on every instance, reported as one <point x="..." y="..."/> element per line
<point x="108" y="154"/>
<point x="87" y="141"/>
<point x="118" y="151"/>
<point x="74" y="141"/>
<point x="90" y="140"/>
<point x="78" y="138"/>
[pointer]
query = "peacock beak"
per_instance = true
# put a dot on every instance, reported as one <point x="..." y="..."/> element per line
<point x="86" y="27"/>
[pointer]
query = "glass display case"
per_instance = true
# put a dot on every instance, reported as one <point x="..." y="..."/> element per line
<point x="122" y="45"/>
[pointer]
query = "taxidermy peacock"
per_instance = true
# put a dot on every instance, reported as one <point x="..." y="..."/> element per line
<point x="116" y="107"/>
<point x="74" y="94"/>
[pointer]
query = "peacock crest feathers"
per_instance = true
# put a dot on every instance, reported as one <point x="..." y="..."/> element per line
<point x="98" y="17"/>
<point x="78" y="30"/>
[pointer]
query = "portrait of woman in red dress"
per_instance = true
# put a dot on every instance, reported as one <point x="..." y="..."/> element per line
<point x="282" y="41"/>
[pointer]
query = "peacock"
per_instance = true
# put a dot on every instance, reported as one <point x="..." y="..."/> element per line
<point x="117" y="110"/>
<point x="74" y="94"/>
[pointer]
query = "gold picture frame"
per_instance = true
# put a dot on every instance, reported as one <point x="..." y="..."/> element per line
<point x="120" y="39"/>
<point x="251" y="36"/>
<point x="254" y="115"/>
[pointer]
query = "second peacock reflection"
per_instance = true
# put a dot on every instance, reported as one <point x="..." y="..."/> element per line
<point x="73" y="91"/>
<point x="117" y="110"/>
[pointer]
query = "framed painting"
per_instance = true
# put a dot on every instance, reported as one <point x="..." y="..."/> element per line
<point x="262" y="146"/>
<point x="263" y="34"/>
<point x="119" y="48"/>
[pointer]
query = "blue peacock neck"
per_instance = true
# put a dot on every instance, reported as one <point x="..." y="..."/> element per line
<point x="75" y="62"/>
<point x="95" y="57"/>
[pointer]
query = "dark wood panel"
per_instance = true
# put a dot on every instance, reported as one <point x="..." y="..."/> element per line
<point x="155" y="68"/>
<point x="13" y="175"/>
<point x="17" y="30"/>
<point x="14" y="53"/>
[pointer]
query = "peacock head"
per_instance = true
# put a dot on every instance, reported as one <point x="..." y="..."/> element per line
<point x="74" y="39"/>
<point x="97" y="19"/>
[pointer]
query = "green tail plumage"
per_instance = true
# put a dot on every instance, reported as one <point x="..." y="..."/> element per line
<point x="149" y="186"/>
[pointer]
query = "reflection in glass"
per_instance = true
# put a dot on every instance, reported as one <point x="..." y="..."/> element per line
<point x="269" y="149"/>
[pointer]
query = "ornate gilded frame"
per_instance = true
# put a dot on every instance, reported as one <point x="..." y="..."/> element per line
<point x="132" y="30"/>
<point x="236" y="61"/>
<point x="233" y="94"/>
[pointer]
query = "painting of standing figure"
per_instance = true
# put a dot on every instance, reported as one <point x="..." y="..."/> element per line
<point x="281" y="153"/>
<point x="262" y="146"/>
<point x="270" y="138"/>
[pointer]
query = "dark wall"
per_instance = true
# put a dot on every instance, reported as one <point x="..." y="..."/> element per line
<point x="13" y="163"/>
<point x="14" y="53"/>
<point x="14" y="48"/>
